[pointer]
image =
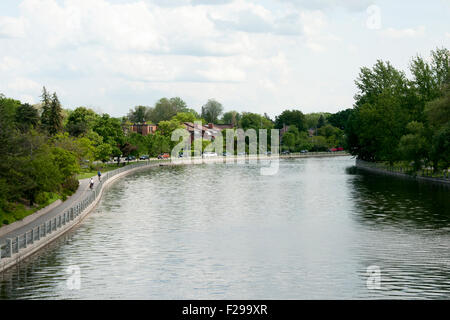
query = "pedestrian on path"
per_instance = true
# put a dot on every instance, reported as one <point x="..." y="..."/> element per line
<point x="99" y="175"/>
<point x="91" y="183"/>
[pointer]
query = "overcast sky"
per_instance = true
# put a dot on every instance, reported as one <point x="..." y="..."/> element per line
<point x="257" y="56"/>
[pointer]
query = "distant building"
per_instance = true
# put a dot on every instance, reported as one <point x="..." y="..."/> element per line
<point x="209" y="131"/>
<point x="143" y="128"/>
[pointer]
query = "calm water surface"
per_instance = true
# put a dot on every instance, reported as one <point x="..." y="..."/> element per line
<point x="223" y="231"/>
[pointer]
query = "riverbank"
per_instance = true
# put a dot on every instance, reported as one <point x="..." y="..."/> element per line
<point x="372" y="167"/>
<point x="16" y="246"/>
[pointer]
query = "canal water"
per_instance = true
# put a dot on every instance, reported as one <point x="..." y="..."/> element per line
<point x="318" y="229"/>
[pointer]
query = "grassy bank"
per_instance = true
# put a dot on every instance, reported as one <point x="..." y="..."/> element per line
<point x="92" y="170"/>
<point x="19" y="211"/>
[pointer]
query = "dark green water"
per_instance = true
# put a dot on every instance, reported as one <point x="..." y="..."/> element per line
<point x="219" y="231"/>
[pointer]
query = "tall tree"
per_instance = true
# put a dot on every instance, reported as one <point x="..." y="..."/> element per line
<point x="212" y="110"/>
<point x="80" y="121"/>
<point x="27" y="117"/>
<point x="290" y="117"/>
<point x="321" y="121"/>
<point x="138" y="115"/>
<point x="165" y="109"/>
<point x="51" y="117"/>
<point x="231" y="117"/>
<point x="45" y="109"/>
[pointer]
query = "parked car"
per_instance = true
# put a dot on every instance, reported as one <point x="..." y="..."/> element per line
<point x="285" y="152"/>
<point x="304" y="151"/>
<point x="268" y="153"/>
<point x="242" y="153"/>
<point x="209" y="154"/>
<point x="226" y="154"/>
<point x="164" y="156"/>
<point x="144" y="157"/>
<point x="332" y="150"/>
<point x="130" y="158"/>
<point x="340" y="149"/>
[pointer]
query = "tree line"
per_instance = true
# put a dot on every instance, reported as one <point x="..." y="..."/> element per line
<point x="401" y="119"/>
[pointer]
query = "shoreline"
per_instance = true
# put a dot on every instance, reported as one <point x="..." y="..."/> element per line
<point x="370" y="167"/>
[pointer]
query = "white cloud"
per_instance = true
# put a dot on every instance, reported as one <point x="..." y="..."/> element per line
<point x="404" y="33"/>
<point x="251" y="55"/>
<point x="315" y="26"/>
<point x="353" y="5"/>
<point x="11" y="27"/>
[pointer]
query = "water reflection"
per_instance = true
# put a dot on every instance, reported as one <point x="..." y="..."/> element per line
<point x="385" y="200"/>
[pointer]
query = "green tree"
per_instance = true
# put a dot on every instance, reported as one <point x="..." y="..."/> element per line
<point x="185" y="117"/>
<point x="139" y="114"/>
<point x="321" y="121"/>
<point x="165" y="109"/>
<point x="413" y="146"/>
<point x="52" y="116"/>
<point x="340" y="119"/>
<point x="27" y="117"/>
<point x="103" y="152"/>
<point x="211" y="111"/>
<point x="231" y="117"/>
<point x="254" y="121"/>
<point x="80" y="121"/>
<point x="110" y="129"/>
<point x="290" y="117"/>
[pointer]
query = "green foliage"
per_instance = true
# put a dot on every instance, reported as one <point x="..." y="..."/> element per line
<point x="396" y="119"/>
<point x="52" y="116"/>
<point x="110" y="129"/>
<point x="211" y="111"/>
<point x="231" y="117"/>
<point x="291" y="117"/>
<point x="340" y="119"/>
<point x="321" y="121"/>
<point x="70" y="185"/>
<point x="185" y="117"/>
<point x="103" y="152"/>
<point x="165" y="109"/>
<point x="167" y="127"/>
<point x="254" y="121"/>
<point x="27" y="117"/>
<point x="140" y="114"/>
<point x="413" y="146"/>
<point x="80" y="121"/>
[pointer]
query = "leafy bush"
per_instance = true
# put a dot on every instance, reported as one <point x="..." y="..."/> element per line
<point x="70" y="185"/>
<point x="42" y="197"/>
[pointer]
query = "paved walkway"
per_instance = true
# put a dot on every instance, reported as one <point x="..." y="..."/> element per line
<point x="82" y="189"/>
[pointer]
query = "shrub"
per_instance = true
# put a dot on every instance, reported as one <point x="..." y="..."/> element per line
<point x="70" y="185"/>
<point x="42" y="197"/>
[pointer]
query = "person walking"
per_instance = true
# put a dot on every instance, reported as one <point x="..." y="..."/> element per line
<point x="99" y="175"/>
<point x="91" y="183"/>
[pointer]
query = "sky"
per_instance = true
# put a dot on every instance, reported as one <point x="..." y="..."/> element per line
<point x="256" y="56"/>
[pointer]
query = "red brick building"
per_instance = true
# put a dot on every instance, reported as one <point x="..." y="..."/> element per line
<point x="144" y="128"/>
